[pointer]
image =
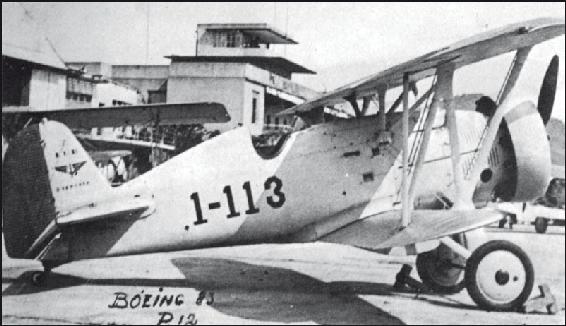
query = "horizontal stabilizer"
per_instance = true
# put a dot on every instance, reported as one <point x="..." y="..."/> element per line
<point x="384" y="230"/>
<point x="104" y="211"/>
<point x="84" y="215"/>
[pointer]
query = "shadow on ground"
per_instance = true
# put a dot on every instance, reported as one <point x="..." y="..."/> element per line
<point x="248" y="291"/>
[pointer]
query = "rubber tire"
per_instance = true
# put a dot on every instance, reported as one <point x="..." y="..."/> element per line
<point x="38" y="278"/>
<point x="541" y="224"/>
<point x="502" y="222"/>
<point x="471" y="269"/>
<point x="423" y="269"/>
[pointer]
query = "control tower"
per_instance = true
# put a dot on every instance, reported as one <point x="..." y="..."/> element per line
<point x="235" y="64"/>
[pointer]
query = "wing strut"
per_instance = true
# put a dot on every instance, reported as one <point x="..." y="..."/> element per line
<point x="354" y="103"/>
<point x="382" y="122"/>
<point x="395" y="104"/>
<point x="405" y="204"/>
<point x="429" y="123"/>
<point x="486" y="142"/>
<point x="514" y="71"/>
<point x="445" y="75"/>
<point x="365" y="105"/>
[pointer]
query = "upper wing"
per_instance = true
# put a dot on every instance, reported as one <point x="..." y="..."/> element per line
<point x="465" y="52"/>
<point x="383" y="230"/>
<point x="115" y="116"/>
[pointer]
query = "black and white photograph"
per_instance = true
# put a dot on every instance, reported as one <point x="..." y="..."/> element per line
<point x="283" y="163"/>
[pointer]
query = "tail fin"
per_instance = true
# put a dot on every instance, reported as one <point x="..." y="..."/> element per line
<point x="46" y="173"/>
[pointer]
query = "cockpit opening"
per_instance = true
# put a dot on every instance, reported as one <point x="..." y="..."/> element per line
<point x="269" y="145"/>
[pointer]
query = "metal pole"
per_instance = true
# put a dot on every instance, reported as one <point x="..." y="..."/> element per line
<point x="405" y="219"/>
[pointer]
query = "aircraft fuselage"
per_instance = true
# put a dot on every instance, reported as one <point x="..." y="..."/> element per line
<point x="222" y="192"/>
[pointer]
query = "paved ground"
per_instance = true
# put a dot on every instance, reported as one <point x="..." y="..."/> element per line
<point x="304" y="284"/>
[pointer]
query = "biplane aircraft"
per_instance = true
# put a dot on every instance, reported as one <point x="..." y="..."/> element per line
<point x="417" y="177"/>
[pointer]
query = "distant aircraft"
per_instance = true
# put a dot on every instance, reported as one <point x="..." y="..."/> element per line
<point x="408" y="179"/>
<point x="542" y="212"/>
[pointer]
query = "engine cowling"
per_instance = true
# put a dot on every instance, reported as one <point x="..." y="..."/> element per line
<point x="519" y="164"/>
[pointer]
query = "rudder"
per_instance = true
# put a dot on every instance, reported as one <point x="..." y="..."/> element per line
<point x="45" y="174"/>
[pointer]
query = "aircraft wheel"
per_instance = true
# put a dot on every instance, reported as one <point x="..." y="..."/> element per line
<point x="499" y="276"/>
<point x="541" y="224"/>
<point x="502" y="222"/>
<point x="38" y="278"/>
<point x="441" y="270"/>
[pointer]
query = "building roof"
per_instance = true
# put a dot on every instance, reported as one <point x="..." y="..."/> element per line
<point x="23" y="39"/>
<point x="258" y="61"/>
<point x="264" y="32"/>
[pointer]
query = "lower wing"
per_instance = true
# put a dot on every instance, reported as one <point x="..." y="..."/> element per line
<point x="384" y="230"/>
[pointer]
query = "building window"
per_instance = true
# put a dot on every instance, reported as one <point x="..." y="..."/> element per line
<point x="118" y="103"/>
<point x="220" y="39"/>
<point x="268" y="120"/>
<point x="231" y="40"/>
<point x="224" y="39"/>
<point x="217" y="38"/>
<point x="276" y="121"/>
<point x="78" y="92"/>
<point x="254" y="109"/>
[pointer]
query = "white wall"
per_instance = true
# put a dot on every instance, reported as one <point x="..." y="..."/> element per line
<point x="105" y="93"/>
<point x="227" y="91"/>
<point x="47" y="89"/>
<point x="207" y="69"/>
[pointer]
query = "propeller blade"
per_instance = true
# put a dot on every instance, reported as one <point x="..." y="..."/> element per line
<point x="548" y="90"/>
